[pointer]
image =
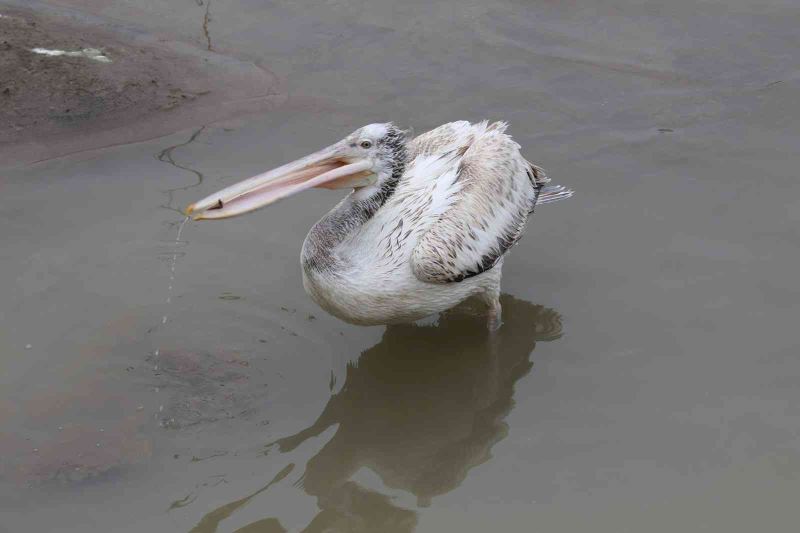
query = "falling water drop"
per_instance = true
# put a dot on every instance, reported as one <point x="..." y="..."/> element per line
<point x="172" y="264"/>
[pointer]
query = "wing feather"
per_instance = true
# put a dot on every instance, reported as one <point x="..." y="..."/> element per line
<point x="496" y="191"/>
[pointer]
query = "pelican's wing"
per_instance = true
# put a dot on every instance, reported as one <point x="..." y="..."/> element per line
<point x="494" y="191"/>
<point x="440" y="140"/>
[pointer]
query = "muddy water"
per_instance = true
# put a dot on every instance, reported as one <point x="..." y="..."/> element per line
<point x="647" y="375"/>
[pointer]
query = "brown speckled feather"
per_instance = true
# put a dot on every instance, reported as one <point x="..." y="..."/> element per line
<point x="496" y="191"/>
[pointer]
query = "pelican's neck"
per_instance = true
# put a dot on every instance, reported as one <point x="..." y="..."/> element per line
<point x="353" y="212"/>
<point x="319" y="250"/>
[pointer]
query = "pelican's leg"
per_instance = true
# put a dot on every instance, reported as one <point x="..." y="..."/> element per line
<point x="428" y="321"/>
<point x="495" y="315"/>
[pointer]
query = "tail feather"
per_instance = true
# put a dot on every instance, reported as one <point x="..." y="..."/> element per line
<point x="547" y="194"/>
<point x="553" y="193"/>
<point x="537" y="175"/>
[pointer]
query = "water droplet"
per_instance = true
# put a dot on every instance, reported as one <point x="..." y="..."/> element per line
<point x="172" y="265"/>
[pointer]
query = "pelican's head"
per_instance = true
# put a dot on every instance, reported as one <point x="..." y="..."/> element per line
<point x="369" y="160"/>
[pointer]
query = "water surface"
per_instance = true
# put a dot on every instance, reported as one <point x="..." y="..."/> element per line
<point x="646" y="377"/>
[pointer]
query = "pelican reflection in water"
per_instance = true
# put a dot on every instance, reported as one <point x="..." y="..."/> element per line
<point x="419" y="409"/>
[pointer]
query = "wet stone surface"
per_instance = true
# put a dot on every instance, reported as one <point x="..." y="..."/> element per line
<point x="62" y="445"/>
<point x="206" y="387"/>
<point x="47" y="95"/>
<point x="72" y="82"/>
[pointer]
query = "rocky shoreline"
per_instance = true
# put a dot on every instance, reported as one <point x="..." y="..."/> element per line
<point x="72" y="82"/>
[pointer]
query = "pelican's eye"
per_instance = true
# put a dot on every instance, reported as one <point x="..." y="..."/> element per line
<point x="366" y="144"/>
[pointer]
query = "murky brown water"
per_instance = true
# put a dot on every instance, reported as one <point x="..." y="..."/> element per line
<point x="647" y="375"/>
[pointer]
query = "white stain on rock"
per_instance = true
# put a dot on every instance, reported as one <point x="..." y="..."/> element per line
<point x="89" y="53"/>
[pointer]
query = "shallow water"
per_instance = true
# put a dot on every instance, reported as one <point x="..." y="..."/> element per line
<point x="647" y="375"/>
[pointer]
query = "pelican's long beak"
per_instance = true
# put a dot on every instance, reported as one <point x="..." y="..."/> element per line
<point x="328" y="168"/>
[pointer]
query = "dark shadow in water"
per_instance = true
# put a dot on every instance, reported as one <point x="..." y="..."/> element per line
<point x="420" y="409"/>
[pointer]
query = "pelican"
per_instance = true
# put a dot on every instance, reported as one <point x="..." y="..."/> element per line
<point x="426" y="225"/>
